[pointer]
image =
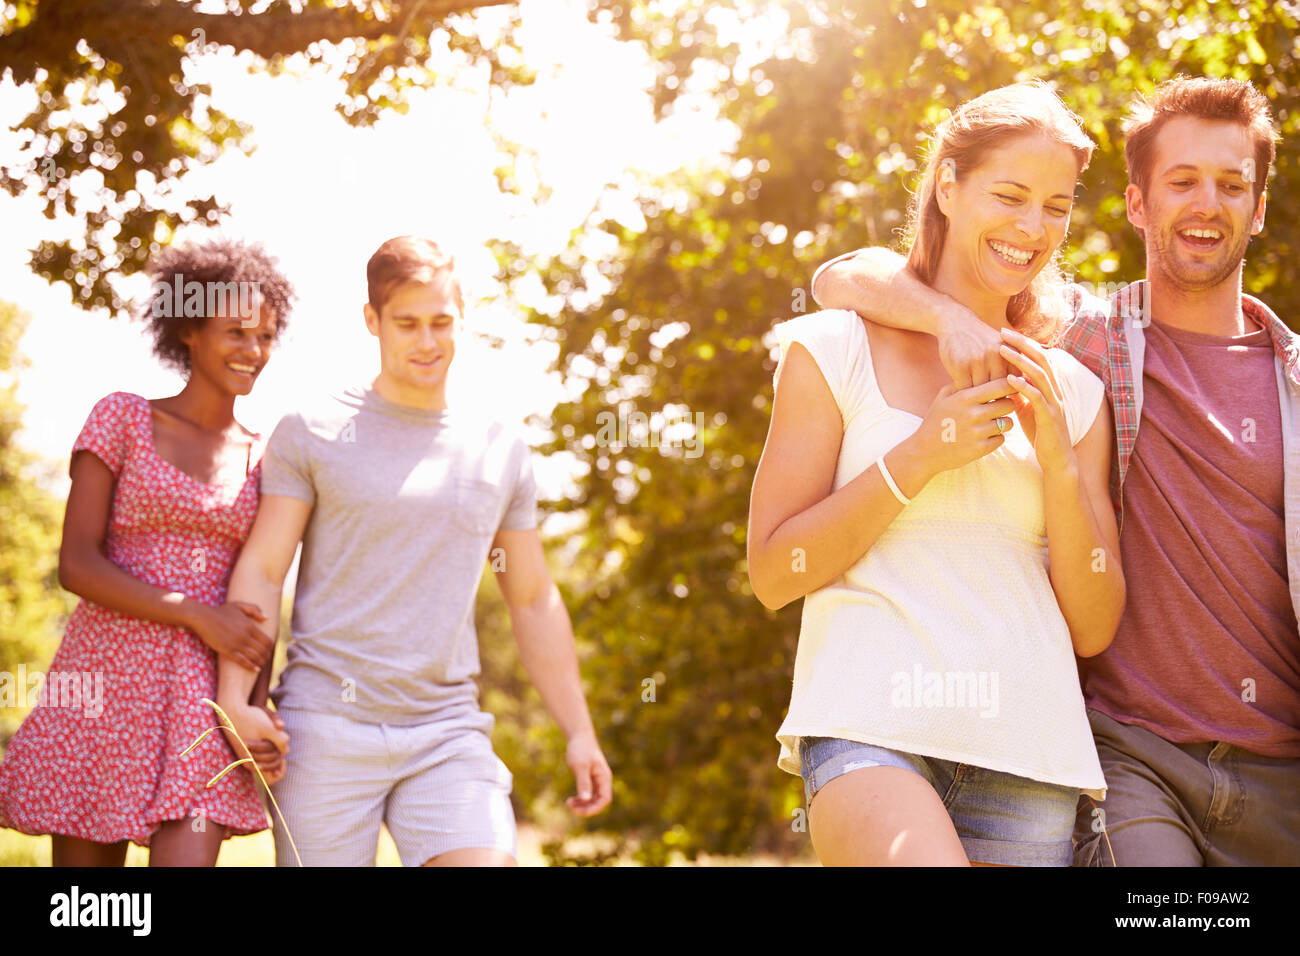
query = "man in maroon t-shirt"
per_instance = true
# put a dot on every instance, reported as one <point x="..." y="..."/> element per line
<point x="1195" y="708"/>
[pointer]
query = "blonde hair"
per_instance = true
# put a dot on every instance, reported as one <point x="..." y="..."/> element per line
<point x="964" y="139"/>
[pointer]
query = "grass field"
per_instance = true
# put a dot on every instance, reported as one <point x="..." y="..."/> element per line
<point x="17" y="849"/>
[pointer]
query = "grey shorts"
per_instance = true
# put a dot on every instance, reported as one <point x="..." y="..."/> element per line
<point x="436" y="786"/>
<point x="1203" y="804"/>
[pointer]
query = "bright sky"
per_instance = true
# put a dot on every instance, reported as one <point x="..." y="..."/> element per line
<point x="322" y="196"/>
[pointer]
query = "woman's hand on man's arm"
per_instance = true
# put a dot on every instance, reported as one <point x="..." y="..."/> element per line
<point x="85" y="570"/>
<point x="877" y="284"/>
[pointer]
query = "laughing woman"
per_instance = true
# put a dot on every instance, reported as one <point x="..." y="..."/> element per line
<point x="163" y="495"/>
<point x="955" y="548"/>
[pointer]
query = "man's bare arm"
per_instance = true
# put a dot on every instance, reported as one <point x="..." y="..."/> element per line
<point x="258" y="578"/>
<point x="544" y="634"/>
<point x="877" y="284"/>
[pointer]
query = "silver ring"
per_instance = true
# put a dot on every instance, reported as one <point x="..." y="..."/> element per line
<point x="1004" y="425"/>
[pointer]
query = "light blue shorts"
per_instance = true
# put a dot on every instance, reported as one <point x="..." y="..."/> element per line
<point x="999" y="817"/>
<point x="436" y="786"/>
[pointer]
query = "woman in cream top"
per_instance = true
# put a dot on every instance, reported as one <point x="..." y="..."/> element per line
<point x="955" y="547"/>
<point x="945" y="638"/>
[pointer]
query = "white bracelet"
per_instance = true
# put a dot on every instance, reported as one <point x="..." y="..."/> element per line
<point x="889" y="480"/>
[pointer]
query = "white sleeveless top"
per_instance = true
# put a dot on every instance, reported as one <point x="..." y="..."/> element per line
<point x="945" y="639"/>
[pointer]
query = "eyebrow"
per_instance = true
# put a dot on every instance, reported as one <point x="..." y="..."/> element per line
<point x="1012" y="182"/>
<point x="1228" y="170"/>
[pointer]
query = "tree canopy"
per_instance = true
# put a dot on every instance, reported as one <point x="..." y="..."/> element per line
<point x="113" y="99"/>
<point x="687" y="674"/>
<point x="831" y="129"/>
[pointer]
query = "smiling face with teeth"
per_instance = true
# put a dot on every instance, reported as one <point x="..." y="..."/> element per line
<point x="1005" y="219"/>
<point x="1198" y="211"/>
<point x="228" y="351"/>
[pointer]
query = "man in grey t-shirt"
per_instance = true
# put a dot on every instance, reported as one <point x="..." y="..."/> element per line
<point x="398" y="501"/>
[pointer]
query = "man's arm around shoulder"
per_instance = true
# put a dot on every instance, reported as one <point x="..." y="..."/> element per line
<point x="877" y="284"/>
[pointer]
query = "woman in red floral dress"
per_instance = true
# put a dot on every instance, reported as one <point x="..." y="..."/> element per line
<point x="163" y="495"/>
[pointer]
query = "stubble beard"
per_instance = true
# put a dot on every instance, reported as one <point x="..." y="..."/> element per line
<point x="1163" y="255"/>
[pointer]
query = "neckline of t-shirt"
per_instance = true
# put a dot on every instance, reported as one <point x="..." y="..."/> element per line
<point x="871" y="369"/>
<point x="368" y="396"/>
<point x="1257" y="337"/>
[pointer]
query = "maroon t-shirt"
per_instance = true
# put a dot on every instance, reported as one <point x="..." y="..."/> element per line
<point x="1207" y="649"/>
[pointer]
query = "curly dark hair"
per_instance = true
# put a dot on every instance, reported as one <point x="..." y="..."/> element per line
<point x="220" y="261"/>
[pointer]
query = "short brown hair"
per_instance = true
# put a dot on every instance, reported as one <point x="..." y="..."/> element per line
<point x="406" y="259"/>
<point x="975" y="129"/>
<point x="1204" y="98"/>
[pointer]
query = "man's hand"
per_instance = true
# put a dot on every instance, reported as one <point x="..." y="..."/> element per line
<point x="262" y="729"/>
<point x="592" y="775"/>
<point x="969" y="348"/>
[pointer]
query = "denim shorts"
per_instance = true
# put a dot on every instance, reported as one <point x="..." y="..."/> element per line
<point x="999" y="817"/>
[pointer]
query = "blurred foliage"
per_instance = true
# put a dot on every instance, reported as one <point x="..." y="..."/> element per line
<point x="117" y="122"/>
<point x="688" y="676"/>
<point x="32" y="607"/>
<point x="831" y="121"/>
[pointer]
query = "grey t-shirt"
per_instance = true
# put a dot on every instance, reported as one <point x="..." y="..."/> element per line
<point x="405" y="505"/>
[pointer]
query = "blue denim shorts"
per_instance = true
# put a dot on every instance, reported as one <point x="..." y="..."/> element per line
<point x="999" y="817"/>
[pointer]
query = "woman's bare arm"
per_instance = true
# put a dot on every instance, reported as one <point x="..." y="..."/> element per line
<point x="1083" y="541"/>
<point x="801" y="534"/>
<point x="85" y="570"/>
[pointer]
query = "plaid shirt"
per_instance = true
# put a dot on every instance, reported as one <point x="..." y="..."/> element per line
<point x="1100" y="336"/>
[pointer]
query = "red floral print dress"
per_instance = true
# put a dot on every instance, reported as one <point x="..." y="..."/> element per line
<point x="106" y="764"/>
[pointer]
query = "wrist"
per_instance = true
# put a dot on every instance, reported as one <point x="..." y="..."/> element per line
<point x="231" y="703"/>
<point x="190" y="613"/>
<point x="585" y="731"/>
<point x="948" y="316"/>
<point x="909" y="467"/>
<point x="232" y="694"/>
<point x="1063" y="478"/>
<point x="938" y="322"/>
